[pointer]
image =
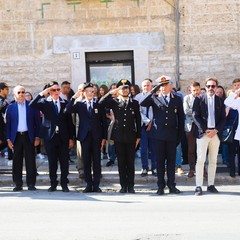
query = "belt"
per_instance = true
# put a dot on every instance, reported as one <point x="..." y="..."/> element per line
<point x="22" y="133"/>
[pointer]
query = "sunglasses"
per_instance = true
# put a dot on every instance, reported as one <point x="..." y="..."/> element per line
<point x="56" y="90"/>
<point x="210" y="86"/>
<point x="22" y="92"/>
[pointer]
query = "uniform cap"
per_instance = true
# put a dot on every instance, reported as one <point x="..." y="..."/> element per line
<point x="163" y="80"/>
<point x="87" y="85"/>
<point x="123" y="82"/>
<point x="52" y="84"/>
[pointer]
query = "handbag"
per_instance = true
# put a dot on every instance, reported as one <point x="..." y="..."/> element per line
<point x="228" y="133"/>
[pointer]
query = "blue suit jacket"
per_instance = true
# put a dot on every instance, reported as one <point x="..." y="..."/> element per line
<point x="200" y="115"/>
<point x="33" y="122"/>
<point x="96" y="121"/>
<point x="50" y="119"/>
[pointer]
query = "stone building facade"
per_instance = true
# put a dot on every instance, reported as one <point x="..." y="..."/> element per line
<point x="189" y="40"/>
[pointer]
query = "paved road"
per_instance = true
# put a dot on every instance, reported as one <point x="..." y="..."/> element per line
<point x="112" y="216"/>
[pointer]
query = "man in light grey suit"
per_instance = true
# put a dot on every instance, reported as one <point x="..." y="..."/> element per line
<point x="189" y="125"/>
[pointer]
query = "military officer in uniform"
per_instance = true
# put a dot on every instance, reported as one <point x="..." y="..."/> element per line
<point x="126" y="131"/>
<point x="168" y="129"/>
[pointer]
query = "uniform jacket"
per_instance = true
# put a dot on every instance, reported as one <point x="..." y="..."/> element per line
<point x="168" y="119"/>
<point x="200" y="115"/>
<point x="33" y="122"/>
<point x="51" y="119"/>
<point x="187" y="107"/>
<point x="95" y="122"/>
<point x="127" y="125"/>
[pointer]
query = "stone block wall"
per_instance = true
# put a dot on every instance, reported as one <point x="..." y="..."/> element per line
<point x="209" y="36"/>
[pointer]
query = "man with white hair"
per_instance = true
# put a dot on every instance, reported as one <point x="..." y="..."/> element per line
<point x="168" y="128"/>
<point x="146" y="141"/>
<point x="23" y="129"/>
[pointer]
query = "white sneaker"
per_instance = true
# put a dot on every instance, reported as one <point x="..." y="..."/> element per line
<point x="41" y="156"/>
<point x="10" y="162"/>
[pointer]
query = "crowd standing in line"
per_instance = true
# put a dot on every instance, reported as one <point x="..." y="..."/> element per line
<point x="121" y="120"/>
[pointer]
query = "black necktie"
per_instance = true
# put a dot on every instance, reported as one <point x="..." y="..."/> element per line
<point x="90" y="107"/>
<point x="125" y="104"/>
<point x="165" y="99"/>
<point x="56" y="107"/>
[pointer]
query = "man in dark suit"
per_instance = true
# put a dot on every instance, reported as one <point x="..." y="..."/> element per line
<point x="57" y="131"/>
<point x="168" y="129"/>
<point x="126" y="131"/>
<point x="23" y="127"/>
<point x="209" y="116"/>
<point x="4" y="90"/>
<point x="92" y="134"/>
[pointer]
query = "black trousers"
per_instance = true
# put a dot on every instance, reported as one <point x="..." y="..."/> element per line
<point x="165" y="155"/>
<point x="57" y="151"/>
<point x="126" y="156"/>
<point x="91" y="156"/>
<point x="23" y="148"/>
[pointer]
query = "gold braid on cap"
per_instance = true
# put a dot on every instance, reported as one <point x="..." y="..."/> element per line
<point x="124" y="81"/>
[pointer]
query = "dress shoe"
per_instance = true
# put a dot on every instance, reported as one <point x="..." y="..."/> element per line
<point x="212" y="189"/>
<point x="17" y="189"/>
<point x="65" y="189"/>
<point x="87" y="190"/>
<point x="232" y="174"/>
<point x="32" y="188"/>
<point x="144" y="173"/>
<point x="174" y="190"/>
<point x="109" y="163"/>
<point x="191" y="174"/>
<point x="123" y="190"/>
<point x="198" y="191"/>
<point x="179" y="170"/>
<point x="160" y="191"/>
<point x="97" y="190"/>
<point x="52" y="189"/>
<point x="131" y="190"/>
<point x="154" y="172"/>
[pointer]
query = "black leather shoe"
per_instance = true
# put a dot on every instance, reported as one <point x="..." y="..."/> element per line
<point x="32" y="188"/>
<point x="144" y="173"/>
<point x="154" y="172"/>
<point x="198" y="191"/>
<point x="131" y="190"/>
<point x="97" y="190"/>
<point x="123" y="190"/>
<point x="160" y="191"/>
<point x="212" y="189"/>
<point x="17" y="189"/>
<point x="174" y="190"/>
<point x="109" y="163"/>
<point x="52" y="189"/>
<point x="87" y="190"/>
<point x="65" y="189"/>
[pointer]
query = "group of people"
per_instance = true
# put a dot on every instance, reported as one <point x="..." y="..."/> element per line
<point x="154" y="120"/>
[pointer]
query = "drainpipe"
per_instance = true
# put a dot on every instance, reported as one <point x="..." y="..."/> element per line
<point x="177" y="17"/>
<point x="177" y="41"/>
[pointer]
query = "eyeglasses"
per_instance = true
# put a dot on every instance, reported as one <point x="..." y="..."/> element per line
<point x="22" y="92"/>
<point x="56" y="90"/>
<point x="210" y="86"/>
